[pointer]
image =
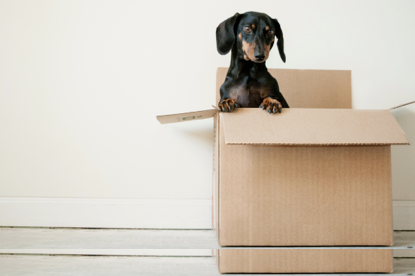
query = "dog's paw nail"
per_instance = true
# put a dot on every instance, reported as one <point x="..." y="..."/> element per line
<point x="271" y="105"/>
<point x="228" y="105"/>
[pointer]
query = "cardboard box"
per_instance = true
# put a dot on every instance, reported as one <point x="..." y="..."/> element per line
<point x="318" y="174"/>
<point x="304" y="260"/>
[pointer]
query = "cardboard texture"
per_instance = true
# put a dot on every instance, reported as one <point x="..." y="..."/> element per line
<point x="314" y="127"/>
<point x="305" y="260"/>
<point x="304" y="195"/>
<point x="318" y="174"/>
<point x="188" y="116"/>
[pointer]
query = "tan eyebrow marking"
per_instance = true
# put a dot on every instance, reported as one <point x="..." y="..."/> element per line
<point x="266" y="28"/>
<point x="253" y="26"/>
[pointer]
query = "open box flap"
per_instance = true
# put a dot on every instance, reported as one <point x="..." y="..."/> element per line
<point x="187" y="116"/>
<point x="312" y="127"/>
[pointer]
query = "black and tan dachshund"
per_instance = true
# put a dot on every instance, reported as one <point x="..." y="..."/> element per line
<point x="248" y="83"/>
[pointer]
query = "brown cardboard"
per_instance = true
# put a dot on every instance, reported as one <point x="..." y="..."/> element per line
<point x="306" y="177"/>
<point x="320" y="89"/>
<point x="187" y="116"/>
<point x="314" y="94"/>
<point x="305" y="260"/>
<point x="401" y="105"/>
<point x="303" y="195"/>
<point x="312" y="127"/>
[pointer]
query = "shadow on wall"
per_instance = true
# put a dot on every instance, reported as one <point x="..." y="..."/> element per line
<point x="203" y="135"/>
<point x="403" y="157"/>
<point x="198" y="132"/>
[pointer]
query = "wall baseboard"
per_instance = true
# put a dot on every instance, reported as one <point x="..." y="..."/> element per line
<point x="133" y="213"/>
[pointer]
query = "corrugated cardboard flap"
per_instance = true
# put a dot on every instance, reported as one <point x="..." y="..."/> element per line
<point x="187" y="116"/>
<point x="312" y="127"/>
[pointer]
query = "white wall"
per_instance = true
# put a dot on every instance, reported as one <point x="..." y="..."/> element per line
<point x="82" y="81"/>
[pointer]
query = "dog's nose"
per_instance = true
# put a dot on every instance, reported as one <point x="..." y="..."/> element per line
<point x="259" y="57"/>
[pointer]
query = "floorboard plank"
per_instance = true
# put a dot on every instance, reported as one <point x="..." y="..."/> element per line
<point x="69" y="238"/>
<point x="12" y="265"/>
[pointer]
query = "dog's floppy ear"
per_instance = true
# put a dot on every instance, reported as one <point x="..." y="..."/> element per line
<point x="225" y="35"/>
<point x="280" y="37"/>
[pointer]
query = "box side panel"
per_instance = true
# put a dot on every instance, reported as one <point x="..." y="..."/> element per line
<point x="220" y="78"/>
<point x="219" y="212"/>
<point x="234" y="260"/>
<point x="305" y="196"/>
<point x="233" y="229"/>
<point x="215" y="194"/>
<point x="306" y="260"/>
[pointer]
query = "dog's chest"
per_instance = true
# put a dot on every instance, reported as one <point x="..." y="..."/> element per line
<point x="248" y="94"/>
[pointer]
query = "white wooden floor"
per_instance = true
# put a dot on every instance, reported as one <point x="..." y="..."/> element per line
<point x="69" y="252"/>
<point x="77" y="238"/>
<point x="126" y="266"/>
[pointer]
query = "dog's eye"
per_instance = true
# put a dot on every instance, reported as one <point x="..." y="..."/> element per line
<point x="247" y="29"/>
<point x="270" y="33"/>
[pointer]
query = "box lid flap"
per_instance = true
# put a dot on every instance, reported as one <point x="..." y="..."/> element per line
<point x="312" y="127"/>
<point x="187" y="116"/>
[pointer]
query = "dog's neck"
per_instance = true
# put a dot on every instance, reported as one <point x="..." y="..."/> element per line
<point x="241" y="67"/>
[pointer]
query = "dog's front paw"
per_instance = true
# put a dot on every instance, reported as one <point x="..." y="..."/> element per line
<point x="228" y="105"/>
<point x="271" y="105"/>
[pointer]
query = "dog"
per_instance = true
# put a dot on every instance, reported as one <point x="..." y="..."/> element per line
<point x="248" y="83"/>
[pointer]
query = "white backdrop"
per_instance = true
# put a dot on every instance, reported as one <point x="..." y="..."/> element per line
<point x="82" y="81"/>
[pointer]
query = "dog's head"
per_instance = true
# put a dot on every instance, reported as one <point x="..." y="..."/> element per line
<point x="253" y="33"/>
